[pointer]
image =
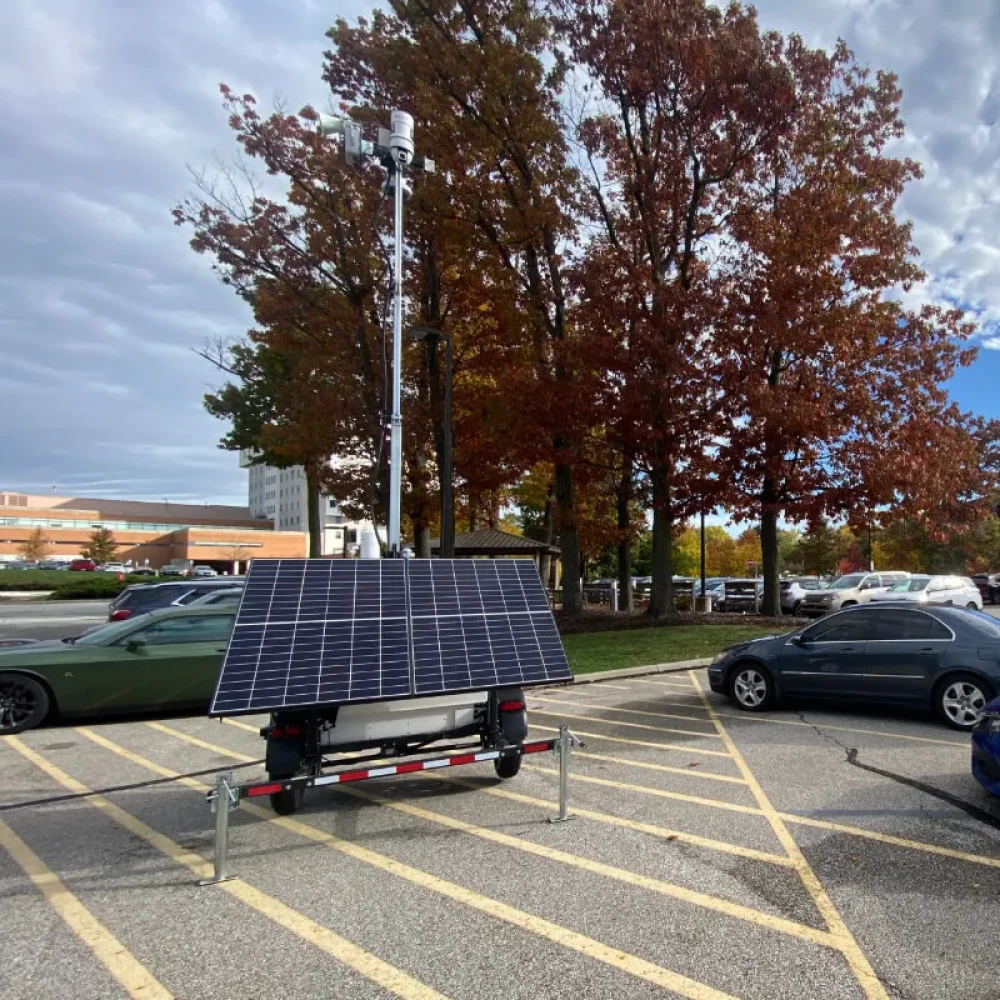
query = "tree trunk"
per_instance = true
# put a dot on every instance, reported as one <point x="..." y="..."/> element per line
<point x="312" y="512"/>
<point x="624" y="502"/>
<point x="572" y="592"/>
<point x="421" y="540"/>
<point x="474" y="512"/>
<point x="771" y="600"/>
<point x="661" y="597"/>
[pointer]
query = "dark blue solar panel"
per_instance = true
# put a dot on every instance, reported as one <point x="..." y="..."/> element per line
<point x="481" y="623"/>
<point x="320" y="632"/>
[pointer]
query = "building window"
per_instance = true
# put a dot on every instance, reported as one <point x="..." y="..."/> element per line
<point x="352" y="536"/>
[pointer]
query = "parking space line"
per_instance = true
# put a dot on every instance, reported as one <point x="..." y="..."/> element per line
<point x="632" y="725"/>
<point x="133" y="976"/>
<point x="645" y="790"/>
<point x="614" y="708"/>
<point x="851" y="950"/>
<point x="202" y="744"/>
<point x="692" y="896"/>
<point x="843" y="729"/>
<point x="722" y="846"/>
<point x="854" y="831"/>
<point x="563" y="936"/>
<point x="688" y="772"/>
<point x="637" y="743"/>
<point x="385" y="975"/>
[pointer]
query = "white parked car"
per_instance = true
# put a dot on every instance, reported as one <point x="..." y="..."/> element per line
<point x="958" y="591"/>
<point x="203" y="571"/>
<point x="846" y="591"/>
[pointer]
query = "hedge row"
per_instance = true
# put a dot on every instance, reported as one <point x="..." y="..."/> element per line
<point x="66" y="586"/>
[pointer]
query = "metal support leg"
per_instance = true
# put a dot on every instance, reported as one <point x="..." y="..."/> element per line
<point x="563" y="750"/>
<point x="223" y="799"/>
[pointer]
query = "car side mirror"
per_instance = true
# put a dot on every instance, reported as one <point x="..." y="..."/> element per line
<point x="797" y="640"/>
<point x="134" y="645"/>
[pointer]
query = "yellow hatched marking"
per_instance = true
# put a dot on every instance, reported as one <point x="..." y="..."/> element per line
<point x="626" y="711"/>
<point x="637" y="743"/>
<point x="964" y="747"/>
<point x="631" y="964"/>
<point x="849" y="947"/>
<point x="686" y="771"/>
<point x="133" y="976"/>
<point x="629" y="824"/>
<point x="632" y="725"/>
<point x="730" y="909"/>
<point x="387" y="976"/>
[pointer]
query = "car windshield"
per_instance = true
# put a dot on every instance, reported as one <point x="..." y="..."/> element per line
<point x="847" y="582"/>
<point x="911" y="586"/>
<point x="102" y="636"/>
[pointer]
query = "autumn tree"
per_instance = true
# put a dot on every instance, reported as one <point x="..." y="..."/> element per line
<point x="833" y="381"/>
<point x="101" y="547"/>
<point x="35" y="547"/>
<point x="687" y="97"/>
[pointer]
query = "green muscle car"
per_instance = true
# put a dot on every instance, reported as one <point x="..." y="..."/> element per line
<point x="168" y="659"/>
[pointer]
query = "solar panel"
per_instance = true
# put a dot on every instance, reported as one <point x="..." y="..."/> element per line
<point x="319" y="632"/>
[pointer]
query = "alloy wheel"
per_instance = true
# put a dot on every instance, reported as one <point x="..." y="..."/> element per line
<point x="963" y="703"/>
<point x="18" y="702"/>
<point x="750" y="687"/>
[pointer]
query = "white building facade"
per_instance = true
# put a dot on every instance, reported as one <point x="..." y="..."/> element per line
<point x="282" y="496"/>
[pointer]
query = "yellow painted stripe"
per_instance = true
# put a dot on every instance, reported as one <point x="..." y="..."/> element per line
<point x="631" y="725"/>
<point x="679" y="684"/>
<point x="387" y="976"/>
<point x="631" y="964"/>
<point x="717" y="905"/>
<point x="652" y="829"/>
<point x="659" y="792"/>
<point x="688" y="772"/>
<point x="746" y="716"/>
<point x="242" y="725"/>
<point x="851" y="950"/>
<point x="637" y="743"/>
<point x="627" y="711"/>
<point x="133" y="976"/>
<point x="201" y="744"/>
<point x="854" y="831"/>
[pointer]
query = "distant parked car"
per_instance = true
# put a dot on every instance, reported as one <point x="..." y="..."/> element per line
<point x="227" y="595"/>
<point x="143" y="571"/>
<point x="203" y="571"/>
<point x="114" y="567"/>
<point x="83" y="566"/>
<point x="986" y="748"/>
<point x="955" y="590"/>
<point x="142" y="598"/>
<point x="989" y="586"/>
<point x="53" y="564"/>
<point x="170" y="570"/>
<point x="794" y="590"/>
<point x="928" y="656"/>
<point x="740" y="596"/>
<point x="847" y="591"/>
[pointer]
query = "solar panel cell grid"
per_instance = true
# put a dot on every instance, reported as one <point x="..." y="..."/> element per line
<point x="315" y="632"/>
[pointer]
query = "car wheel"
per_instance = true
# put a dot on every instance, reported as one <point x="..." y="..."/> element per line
<point x="848" y="604"/>
<point x="796" y="608"/>
<point x="751" y="687"/>
<point x="972" y="606"/>
<point x="24" y="703"/>
<point x="507" y="767"/>
<point x="960" y="700"/>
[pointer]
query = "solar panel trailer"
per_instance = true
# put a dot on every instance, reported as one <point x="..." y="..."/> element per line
<point x="389" y="656"/>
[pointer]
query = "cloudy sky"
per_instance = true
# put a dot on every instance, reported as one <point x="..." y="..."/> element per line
<point x="104" y="104"/>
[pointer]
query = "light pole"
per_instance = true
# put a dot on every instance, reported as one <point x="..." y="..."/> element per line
<point x="394" y="151"/>
<point x="432" y="336"/>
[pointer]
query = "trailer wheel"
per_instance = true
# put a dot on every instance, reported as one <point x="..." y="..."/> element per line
<point x="507" y="767"/>
<point x="285" y="802"/>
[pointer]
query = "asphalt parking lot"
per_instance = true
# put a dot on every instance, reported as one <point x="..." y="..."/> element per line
<point x="712" y="855"/>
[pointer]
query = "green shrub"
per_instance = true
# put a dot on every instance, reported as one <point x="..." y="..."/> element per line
<point x="37" y="579"/>
<point x="92" y="586"/>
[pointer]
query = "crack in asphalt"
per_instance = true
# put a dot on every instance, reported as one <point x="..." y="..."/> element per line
<point x="821" y="734"/>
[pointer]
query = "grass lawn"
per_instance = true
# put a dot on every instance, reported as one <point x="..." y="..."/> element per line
<point x="590" y="651"/>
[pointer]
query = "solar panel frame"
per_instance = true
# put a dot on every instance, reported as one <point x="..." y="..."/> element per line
<point x="315" y="632"/>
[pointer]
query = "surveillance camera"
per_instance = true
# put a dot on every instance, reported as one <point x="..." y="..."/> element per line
<point x="401" y="138"/>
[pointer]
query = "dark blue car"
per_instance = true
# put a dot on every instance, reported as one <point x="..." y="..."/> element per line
<point x="986" y="748"/>
<point x="943" y="659"/>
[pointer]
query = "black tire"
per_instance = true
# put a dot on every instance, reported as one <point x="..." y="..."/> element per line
<point x="507" y="767"/>
<point x="24" y="703"/>
<point x="848" y="604"/>
<point x="287" y="801"/>
<point x="959" y="700"/>
<point x="796" y="608"/>
<point x="751" y="687"/>
<point x="972" y="606"/>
